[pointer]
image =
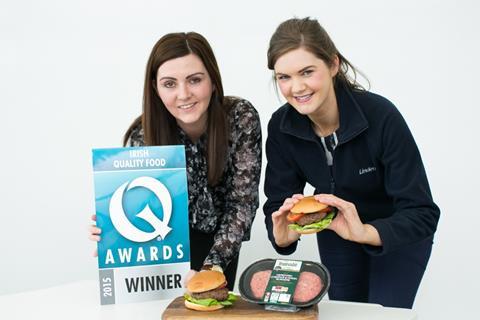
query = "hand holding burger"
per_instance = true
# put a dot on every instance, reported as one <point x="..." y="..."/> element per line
<point x="207" y="291"/>
<point x="347" y="223"/>
<point x="282" y="234"/>
<point x="303" y="215"/>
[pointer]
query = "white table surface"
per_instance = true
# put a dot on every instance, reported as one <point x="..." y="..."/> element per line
<point x="80" y="300"/>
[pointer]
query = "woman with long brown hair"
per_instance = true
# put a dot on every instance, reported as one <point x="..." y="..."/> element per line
<point x="184" y="103"/>
<point x="356" y="150"/>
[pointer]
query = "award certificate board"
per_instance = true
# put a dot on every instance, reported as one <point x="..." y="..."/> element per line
<point x="141" y="200"/>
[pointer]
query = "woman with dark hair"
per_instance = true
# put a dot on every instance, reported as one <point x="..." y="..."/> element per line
<point x="356" y="150"/>
<point x="184" y="103"/>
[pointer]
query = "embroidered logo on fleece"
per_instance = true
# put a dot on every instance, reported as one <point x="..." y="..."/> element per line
<point x="366" y="170"/>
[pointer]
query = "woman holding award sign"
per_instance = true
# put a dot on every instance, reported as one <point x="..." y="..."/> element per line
<point x="184" y="103"/>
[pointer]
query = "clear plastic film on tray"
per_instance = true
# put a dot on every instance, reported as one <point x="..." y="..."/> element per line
<point x="284" y="285"/>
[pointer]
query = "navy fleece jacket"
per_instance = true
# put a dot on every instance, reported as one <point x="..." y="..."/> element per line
<point x="376" y="166"/>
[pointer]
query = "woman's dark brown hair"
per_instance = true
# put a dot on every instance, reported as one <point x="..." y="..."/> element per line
<point x="309" y="34"/>
<point x="159" y="126"/>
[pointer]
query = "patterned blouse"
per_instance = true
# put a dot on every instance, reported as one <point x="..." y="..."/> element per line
<point x="228" y="209"/>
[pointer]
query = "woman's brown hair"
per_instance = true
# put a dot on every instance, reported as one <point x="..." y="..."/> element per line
<point x="309" y="34"/>
<point x="159" y="126"/>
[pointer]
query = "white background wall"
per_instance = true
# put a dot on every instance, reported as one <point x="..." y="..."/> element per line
<point x="71" y="77"/>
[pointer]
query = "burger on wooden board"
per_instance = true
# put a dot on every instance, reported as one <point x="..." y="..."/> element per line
<point x="309" y="216"/>
<point x="207" y="291"/>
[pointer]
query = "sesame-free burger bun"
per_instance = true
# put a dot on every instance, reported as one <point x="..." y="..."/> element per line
<point x="199" y="307"/>
<point x="308" y="205"/>
<point x="205" y="281"/>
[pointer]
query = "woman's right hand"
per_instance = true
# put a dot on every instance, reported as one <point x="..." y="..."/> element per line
<point x="283" y="235"/>
<point x="94" y="233"/>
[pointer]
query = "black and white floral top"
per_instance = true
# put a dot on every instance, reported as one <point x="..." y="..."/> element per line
<point x="229" y="207"/>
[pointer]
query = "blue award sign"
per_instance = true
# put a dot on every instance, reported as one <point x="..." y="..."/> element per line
<point x="141" y="199"/>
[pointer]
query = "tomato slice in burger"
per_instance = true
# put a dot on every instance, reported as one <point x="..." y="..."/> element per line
<point x="293" y="217"/>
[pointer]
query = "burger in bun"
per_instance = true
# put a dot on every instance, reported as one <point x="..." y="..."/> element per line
<point x="309" y="216"/>
<point x="207" y="291"/>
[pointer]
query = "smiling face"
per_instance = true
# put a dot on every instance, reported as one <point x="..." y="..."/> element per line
<point x="185" y="88"/>
<point x="307" y="83"/>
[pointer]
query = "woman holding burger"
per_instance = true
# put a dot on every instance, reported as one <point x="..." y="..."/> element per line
<point x="356" y="150"/>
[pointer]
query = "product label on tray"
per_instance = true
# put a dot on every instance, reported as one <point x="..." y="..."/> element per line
<point x="141" y="200"/>
<point x="282" y="283"/>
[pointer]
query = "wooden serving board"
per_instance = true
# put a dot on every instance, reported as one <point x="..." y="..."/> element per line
<point x="241" y="309"/>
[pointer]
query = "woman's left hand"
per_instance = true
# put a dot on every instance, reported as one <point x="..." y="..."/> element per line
<point x="347" y="223"/>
